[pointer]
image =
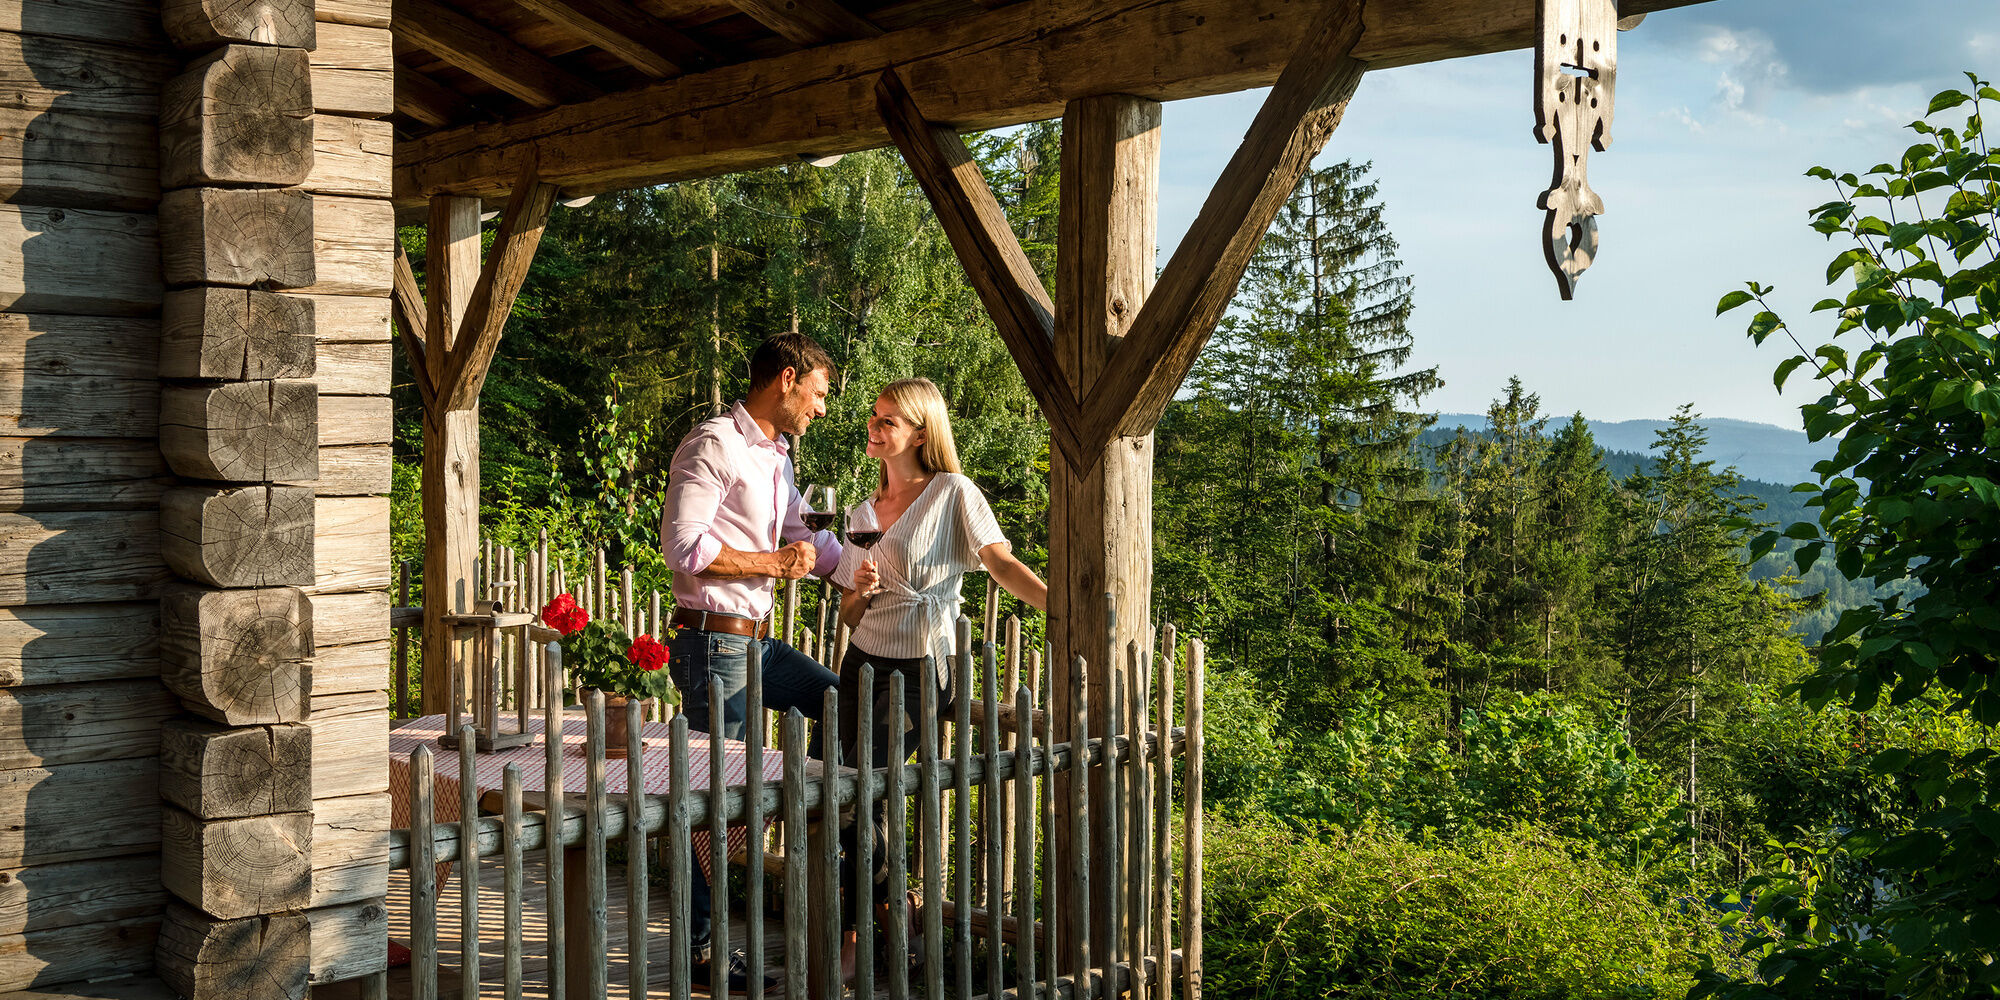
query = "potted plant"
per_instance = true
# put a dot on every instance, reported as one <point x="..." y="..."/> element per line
<point x="599" y="655"/>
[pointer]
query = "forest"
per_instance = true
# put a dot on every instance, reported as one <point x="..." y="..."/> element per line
<point x="1490" y="714"/>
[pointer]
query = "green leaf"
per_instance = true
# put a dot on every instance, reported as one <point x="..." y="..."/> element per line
<point x="1911" y="851"/>
<point x="1842" y="263"/>
<point x="1807" y="555"/>
<point x="1762" y="545"/>
<point x="1948" y="99"/>
<point x="1762" y="324"/>
<point x="1785" y="369"/>
<point x="1732" y="300"/>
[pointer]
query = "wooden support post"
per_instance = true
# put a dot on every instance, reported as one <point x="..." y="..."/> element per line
<point x="1101" y="518"/>
<point x="450" y="458"/>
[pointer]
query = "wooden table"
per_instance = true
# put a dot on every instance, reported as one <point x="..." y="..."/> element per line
<point x="490" y="766"/>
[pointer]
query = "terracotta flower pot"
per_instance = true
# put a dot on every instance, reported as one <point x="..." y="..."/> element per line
<point x="616" y="740"/>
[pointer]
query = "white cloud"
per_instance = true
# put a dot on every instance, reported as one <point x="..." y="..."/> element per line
<point x="1684" y="116"/>
<point x="1729" y="92"/>
<point x="1749" y="70"/>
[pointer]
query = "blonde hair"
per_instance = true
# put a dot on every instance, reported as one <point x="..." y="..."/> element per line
<point x="923" y="405"/>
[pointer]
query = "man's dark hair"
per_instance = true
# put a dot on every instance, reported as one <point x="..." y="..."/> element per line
<point x="796" y="351"/>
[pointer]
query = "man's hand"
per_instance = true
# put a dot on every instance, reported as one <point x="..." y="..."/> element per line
<point x="796" y="560"/>
<point x="789" y="563"/>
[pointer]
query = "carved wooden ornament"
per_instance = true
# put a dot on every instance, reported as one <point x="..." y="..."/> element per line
<point x="1576" y="68"/>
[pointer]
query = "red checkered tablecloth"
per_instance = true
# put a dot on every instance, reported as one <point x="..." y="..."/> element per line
<point x="488" y="768"/>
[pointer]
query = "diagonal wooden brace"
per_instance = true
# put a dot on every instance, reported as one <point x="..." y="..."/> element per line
<point x="410" y="311"/>
<point x="500" y="280"/>
<point x="1194" y="290"/>
<point x="993" y="260"/>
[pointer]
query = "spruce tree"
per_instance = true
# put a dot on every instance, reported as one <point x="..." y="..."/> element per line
<point x="1303" y="389"/>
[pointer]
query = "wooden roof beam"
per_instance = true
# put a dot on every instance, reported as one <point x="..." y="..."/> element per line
<point x="425" y="100"/>
<point x="644" y="42"/>
<point x="1019" y="63"/>
<point x="808" y="22"/>
<point x="487" y="54"/>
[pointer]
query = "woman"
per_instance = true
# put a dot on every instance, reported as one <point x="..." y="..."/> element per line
<point x="900" y="598"/>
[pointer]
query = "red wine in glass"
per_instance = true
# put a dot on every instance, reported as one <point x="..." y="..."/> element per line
<point x="818" y="520"/>
<point x="865" y="539"/>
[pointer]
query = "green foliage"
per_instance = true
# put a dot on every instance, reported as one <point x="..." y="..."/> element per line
<point x="1368" y="915"/>
<point x="1524" y="760"/>
<point x="1910" y="492"/>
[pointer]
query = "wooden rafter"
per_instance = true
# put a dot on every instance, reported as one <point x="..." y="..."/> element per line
<point x="487" y="54"/>
<point x="1294" y="123"/>
<point x="521" y="225"/>
<point x="644" y="42"/>
<point x="808" y="22"/>
<point x="1019" y="63"/>
<point x="426" y="100"/>
<point x="986" y="247"/>
<point x="408" y="303"/>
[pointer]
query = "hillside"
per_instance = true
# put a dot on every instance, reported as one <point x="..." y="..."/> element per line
<point x="1764" y="452"/>
<point x="1769" y="458"/>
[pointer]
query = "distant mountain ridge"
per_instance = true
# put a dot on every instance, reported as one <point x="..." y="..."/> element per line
<point x="1758" y="451"/>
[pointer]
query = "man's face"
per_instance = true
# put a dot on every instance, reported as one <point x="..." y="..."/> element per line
<point x="803" y="400"/>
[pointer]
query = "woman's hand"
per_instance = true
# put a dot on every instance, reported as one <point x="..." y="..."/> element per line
<point x="868" y="579"/>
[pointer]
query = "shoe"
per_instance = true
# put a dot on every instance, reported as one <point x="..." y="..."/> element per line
<point x="739" y="974"/>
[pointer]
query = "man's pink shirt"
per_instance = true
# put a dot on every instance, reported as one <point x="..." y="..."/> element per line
<point x="728" y="485"/>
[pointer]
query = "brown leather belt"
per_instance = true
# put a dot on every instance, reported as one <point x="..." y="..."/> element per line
<point x="715" y="621"/>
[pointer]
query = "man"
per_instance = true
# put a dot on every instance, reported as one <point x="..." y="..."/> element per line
<point x="732" y="527"/>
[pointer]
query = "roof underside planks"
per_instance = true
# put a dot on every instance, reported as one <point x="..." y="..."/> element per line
<point x="774" y="96"/>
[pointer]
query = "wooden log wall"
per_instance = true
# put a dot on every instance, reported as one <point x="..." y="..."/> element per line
<point x="277" y="247"/>
<point x="81" y="477"/>
<point x="239" y="428"/>
<point x="354" y="254"/>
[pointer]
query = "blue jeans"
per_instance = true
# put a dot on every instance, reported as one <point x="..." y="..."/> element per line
<point x="791" y="680"/>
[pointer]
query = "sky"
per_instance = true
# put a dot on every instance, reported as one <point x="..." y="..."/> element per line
<point x="1721" y="108"/>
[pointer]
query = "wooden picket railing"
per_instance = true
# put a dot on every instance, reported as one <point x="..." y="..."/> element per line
<point x="985" y="794"/>
<point x="527" y="580"/>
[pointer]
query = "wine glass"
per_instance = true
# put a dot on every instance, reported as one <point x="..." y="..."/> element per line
<point x="862" y="528"/>
<point x="818" y="513"/>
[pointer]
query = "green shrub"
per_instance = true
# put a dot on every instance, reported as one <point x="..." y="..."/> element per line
<point x="1366" y="914"/>
<point x="1523" y="759"/>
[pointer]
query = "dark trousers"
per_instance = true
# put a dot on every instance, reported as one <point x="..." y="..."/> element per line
<point x="704" y="659"/>
<point x="892" y="740"/>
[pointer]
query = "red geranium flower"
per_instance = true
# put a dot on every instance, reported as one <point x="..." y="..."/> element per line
<point x="648" y="653"/>
<point x="563" y="615"/>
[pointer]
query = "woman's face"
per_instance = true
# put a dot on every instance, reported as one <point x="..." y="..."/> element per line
<point x="890" y="433"/>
